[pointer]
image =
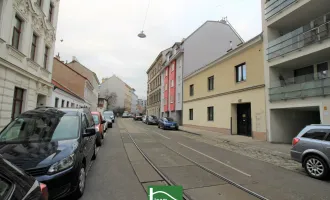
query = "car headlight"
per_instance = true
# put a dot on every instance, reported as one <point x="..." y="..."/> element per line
<point x="97" y="129"/>
<point x="62" y="164"/>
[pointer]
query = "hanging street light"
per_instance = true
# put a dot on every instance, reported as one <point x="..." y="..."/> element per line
<point x="142" y="35"/>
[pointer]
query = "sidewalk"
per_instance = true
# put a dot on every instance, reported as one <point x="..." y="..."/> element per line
<point x="277" y="154"/>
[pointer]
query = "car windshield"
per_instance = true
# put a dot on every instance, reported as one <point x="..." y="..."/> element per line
<point x="108" y="113"/>
<point x="168" y="119"/>
<point x="24" y="129"/>
<point x="107" y="116"/>
<point x="96" y="119"/>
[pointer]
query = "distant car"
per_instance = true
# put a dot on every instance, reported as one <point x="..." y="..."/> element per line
<point x="16" y="184"/>
<point x="151" y="120"/>
<point x="144" y="118"/>
<point x="167" y="123"/>
<point x="137" y="117"/>
<point x="125" y="115"/>
<point x="108" y="120"/>
<point x="311" y="147"/>
<point x="99" y="123"/>
<point x="109" y="114"/>
<point x="56" y="146"/>
<point x="105" y="125"/>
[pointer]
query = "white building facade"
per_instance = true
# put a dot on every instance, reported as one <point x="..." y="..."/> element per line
<point x="134" y="102"/>
<point x="27" y="41"/>
<point x="297" y="48"/>
<point x="63" y="99"/>
<point x="114" y="84"/>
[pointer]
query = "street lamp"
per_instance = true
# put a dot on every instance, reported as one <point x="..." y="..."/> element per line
<point x="142" y="35"/>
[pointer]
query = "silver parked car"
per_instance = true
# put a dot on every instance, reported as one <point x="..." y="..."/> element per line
<point x="311" y="147"/>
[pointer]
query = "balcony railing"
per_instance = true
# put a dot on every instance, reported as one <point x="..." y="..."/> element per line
<point x="316" y="31"/>
<point x="273" y="7"/>
<point x="310" y="85"/>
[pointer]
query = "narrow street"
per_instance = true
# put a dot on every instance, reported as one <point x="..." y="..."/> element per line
<point x="205" y="171"/>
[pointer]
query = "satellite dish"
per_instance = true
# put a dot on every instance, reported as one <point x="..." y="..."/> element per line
<point x="142" y="35"/>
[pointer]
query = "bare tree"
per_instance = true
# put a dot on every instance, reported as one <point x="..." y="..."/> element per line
<point x="111" y="98"/>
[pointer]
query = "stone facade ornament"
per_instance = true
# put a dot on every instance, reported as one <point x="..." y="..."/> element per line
<point x="23" y="7"/>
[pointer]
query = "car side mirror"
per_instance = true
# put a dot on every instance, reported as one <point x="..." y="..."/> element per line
<point x="103" y="121"/>
<point x="89" y="132"/>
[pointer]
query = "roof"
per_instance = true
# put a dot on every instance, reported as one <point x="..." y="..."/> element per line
<point x="71" y="68"/>
<point x="95" y="76"/>
<point x="160" y="54"/>
<point x="219" y="22"/>
<point x="65" y="89"/>
<point x="227" y="55"/>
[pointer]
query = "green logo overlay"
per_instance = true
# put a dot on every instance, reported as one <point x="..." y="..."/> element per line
<point x="165" y="192"/>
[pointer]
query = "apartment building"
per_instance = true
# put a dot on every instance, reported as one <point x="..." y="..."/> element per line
<point x="71" y="89"/>
<point x="27" y="42"/>
<point x="154" y="84"/>
<point x="134" y="102"/>
<point x="297" y="49"/>
<point x="171" y="83"/>
<point x="228" y="95"/>
<point x="92" y="98"/>
<point x="207" y="43"/>
<point x="122" y="90"/>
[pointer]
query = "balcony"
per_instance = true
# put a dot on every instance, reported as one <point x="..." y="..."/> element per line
<point x="310" y="85"/>
<point x="314" y="32"/>
<point x="273" y="7"/>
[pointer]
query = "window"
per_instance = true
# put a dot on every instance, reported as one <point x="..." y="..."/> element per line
<point x="172" y="67"/>
<point x="322" y="70"/>
<point x="67" y="104"/>
<point x="328" y="138"/>
<point x="191" y="90"/>
<point x="210" y="83"/>
<point x="166" y="86"/>
<point x="165" y="101"/>
<point x="17" y="32"/>
<point x="241" y="73"/>
<point x="51" y="10"/>
<point x="191" y="114"/>
<point x="210" y="116"/>
<point x="34" y="46"/>
<point x="17" y="102"/>
<point x="304" y="74"/>
<point x="172" y="83"/>
<point x="62" y="105"/>
<point x="46" y="56"/>
<point x="172" y="99"/>
<point x="56" y="102"/>
<point x="166" y="72"/>
<point x="72" y="105"/>
<point x="315" y="134"/>
<point x="39" y="3"/>
<point x="179" y="97"/>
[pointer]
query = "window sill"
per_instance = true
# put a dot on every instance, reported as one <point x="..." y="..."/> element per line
<point x="33" y="64"/>
<point x="240" y="82"/>
<point x="15" y="53"/>
<point x="2" y="40"/>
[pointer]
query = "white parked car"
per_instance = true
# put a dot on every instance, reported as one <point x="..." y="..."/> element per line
<point x="144" y="118"/>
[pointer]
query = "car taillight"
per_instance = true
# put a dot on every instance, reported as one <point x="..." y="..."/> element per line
<point x="44" y="191"/>
<point x="295" y="141"/>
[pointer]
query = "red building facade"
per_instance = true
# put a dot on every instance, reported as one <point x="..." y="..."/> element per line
<point x="172" y="85"/>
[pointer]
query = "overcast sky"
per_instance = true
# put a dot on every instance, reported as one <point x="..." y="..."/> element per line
<point x="102" y="34"/>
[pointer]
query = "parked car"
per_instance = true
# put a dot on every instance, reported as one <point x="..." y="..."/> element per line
<point x="144" y="117"/>
<point x="99" y="123"/>
<point x="109" y="114"/>
<point x="16" y="184"/>
<point x="167" y="123"/>
<point x="125" y="115"/>
<point x="105" y="125"/>
<point x="151" y="119"/>
<point x="108" y="120"/>
<point x="311" y="147"/>
<point x="54" y="146"/>
<point x="137" y="117"/>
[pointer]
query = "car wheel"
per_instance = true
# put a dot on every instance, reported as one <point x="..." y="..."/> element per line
<point x="98" y="139"/>
<point x="158" y="126"/>
<point x="94" y="154"/>
<point x="316" y="167"/>
<point x="163" y="127"/>
<point x="147" y="123"/>
<point x="81" y="182"/>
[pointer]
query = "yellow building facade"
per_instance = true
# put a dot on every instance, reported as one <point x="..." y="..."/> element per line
<point x="228" y="95"/>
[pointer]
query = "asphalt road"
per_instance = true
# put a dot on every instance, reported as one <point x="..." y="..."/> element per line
<point x="120" y="172"/>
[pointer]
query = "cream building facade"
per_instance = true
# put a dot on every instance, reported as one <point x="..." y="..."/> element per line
<point x="228" y="95"/>
<point x="27" y="42"/>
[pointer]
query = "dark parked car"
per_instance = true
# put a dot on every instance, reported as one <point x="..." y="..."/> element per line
<point x="55" y="146"/>
<point x="311" y="147"/>
<point x="16" y="184"/>
<point x="151" y="119"/>
<point x="137" y="117"/>
<point x="167" y="123"/>
<point x="109" y="115"/>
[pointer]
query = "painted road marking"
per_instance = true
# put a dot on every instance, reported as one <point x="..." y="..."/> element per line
<point x="246" y="174"/>
<point x="162" y="135"/>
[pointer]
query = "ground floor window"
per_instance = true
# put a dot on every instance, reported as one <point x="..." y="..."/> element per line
<point x="56" y="102"/>
<point x="191" y="114"/>
<point x="210" y="116"/>
<point x="17" y="102"/>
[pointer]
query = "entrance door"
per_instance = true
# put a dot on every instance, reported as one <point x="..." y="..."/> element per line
<point x="244" y="119"/>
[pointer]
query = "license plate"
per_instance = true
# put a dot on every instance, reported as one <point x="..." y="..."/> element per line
<point x="172" y="126"/>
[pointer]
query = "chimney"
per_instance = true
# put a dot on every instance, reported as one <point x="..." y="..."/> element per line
<point x="58" y="56"/>
<point x="74" y="58"/>
<point x="230" y="46"/>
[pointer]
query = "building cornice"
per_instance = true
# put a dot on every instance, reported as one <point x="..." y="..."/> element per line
<point x="226" y="93"/>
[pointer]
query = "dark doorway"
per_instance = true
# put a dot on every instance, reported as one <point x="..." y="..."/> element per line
<point x="244" y="119"/>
